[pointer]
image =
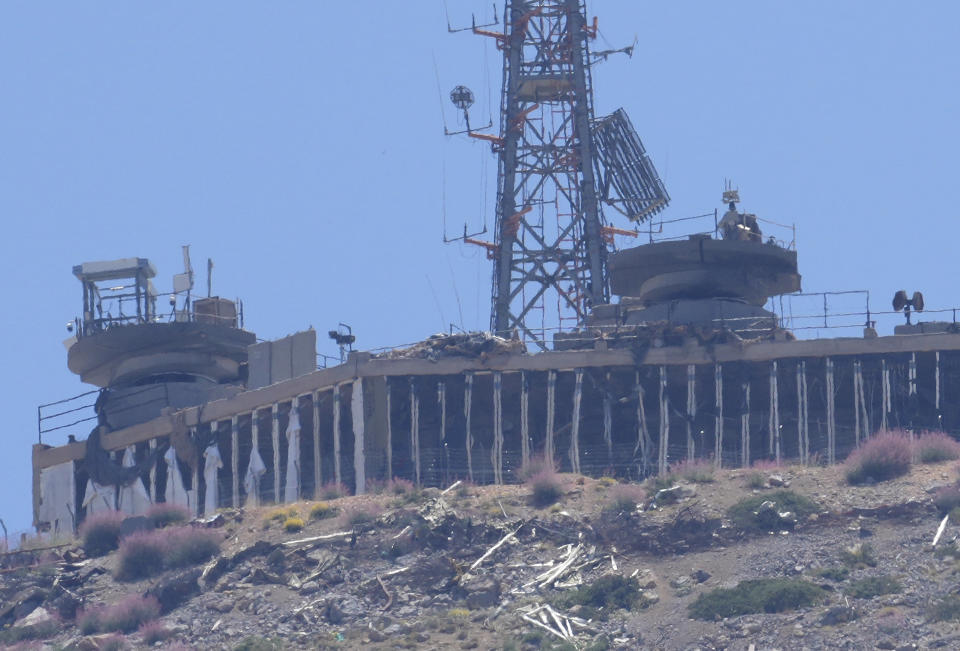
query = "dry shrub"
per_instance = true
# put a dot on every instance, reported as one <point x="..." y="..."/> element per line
<point x="163" y="514"/>
<point x="189" y="546"/>
<point x="766" y="465"/>
<point x="537" y="465"/>
<point x="333" y="490"/>
<point x="115" y="642"/>
<point x="934" y="447"/>
<point x="359" y="518"/>
<point x="545" y="488"/>
<point x="125" y="616"/>
<point x="697" y="471"/>
<point x="154" y="631"/>
<point x="885" y="456"/>
<point x="625" y="498"/>
<point x="146" y="553"/>
<point x="100" y="532"/>
<point x="947" y="498"/>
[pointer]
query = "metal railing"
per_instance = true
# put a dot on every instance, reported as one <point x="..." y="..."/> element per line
<point x="106" y="320"/>
<point x="708" y="224"/>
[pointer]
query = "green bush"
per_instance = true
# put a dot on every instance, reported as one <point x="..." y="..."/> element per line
<point x="934" y="447"/>
<point x="873" y="586"/>
<point x="254" y="643"/>
<point x="624" y="498"/>
<point x="322" y="511"/>
<point x="832" y="573"/>
<point x="756" y="480"/>
<point x="743" y="512"/>
<point x="945" y="609"/>
<point x="293" y="525"/>
<point x="860" y="555"/>
<point x="756" y="596"/>
<point x="609" y="592"/>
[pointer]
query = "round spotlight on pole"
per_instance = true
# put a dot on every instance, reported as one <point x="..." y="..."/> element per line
<point x="462" y="97"/>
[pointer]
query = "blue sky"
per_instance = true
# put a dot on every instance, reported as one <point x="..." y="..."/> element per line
<point x="300" y="145"/>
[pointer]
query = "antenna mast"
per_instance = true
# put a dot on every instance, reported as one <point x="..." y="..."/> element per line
<point x="556" y="165"/>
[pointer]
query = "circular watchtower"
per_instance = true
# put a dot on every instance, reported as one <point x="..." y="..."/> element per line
<point x="147" y="361"/>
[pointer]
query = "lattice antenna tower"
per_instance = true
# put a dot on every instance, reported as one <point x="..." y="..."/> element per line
<point x="557" y="164"/>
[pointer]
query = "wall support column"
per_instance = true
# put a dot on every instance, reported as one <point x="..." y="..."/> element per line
<point x="317" y="470"/>
<point x="745" y="427"/>
<point x="337" y="477"/>
<point x="691" y="409"/>
<point x="608" y="419"/>
<point x="496" y="452"/>
<point x="467" y="409"/>
<point x="885" y="392"/>
<point x="718" y="422"/>
<point x="831" y="415"/>
<point x="524" y="420"/>
<point x="548" y="451"/>
<point x="415" y="430"/>
<point x="235" y="462"/>
<point x="664" y="423"/>
<point x="803" y="439"/>
<point x="275" y="435"/>
<point x="254" y="496"/>
<point x="358" y="417"/>
<point x="389" y="431"/>
<point x="774" y="413"/>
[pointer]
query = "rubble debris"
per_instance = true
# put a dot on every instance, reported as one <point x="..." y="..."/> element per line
<point x="468" y="344"/>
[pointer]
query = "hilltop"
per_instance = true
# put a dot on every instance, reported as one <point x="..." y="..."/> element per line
<point x="605" y="565"/>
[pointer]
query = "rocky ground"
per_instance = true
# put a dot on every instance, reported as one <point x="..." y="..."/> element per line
<point x="483" y="568"/>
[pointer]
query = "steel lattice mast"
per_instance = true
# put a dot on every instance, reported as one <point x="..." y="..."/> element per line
<point x="549" y="254"/>
<point x="556" y="165"/>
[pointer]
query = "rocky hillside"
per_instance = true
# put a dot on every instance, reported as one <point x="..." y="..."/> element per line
<point x="784" y="558"/>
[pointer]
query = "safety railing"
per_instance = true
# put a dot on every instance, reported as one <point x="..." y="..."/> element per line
<point x="708" y="224"/>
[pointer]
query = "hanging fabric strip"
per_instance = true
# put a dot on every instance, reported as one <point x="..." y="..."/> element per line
<point x="291" y="487"/>
<point x="643" y="435"/>
<point x="574" y="452"/>
<point x="415" y="430"/>
<point x="152" y="488"/>
<point x="831" y="414"/>
<point x="275" y="435"/>
<point x="548" y="452"/>
<point x="496" y="452"/>
<point x="718" y="423"/>
<point x="234" y="463"/>
<point x="524" y="421"/>
<point x="664" y="424"/>
<point x="467" y="409"/>
<point x="251" y="483"/>
<point x="745" y="427"/>
<point x="358" y="417"/>
<point x="336" y="435"/>
<point x="134" y="499"/>
<point x="212" y="463"/>
<point x="691" y="409"/>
